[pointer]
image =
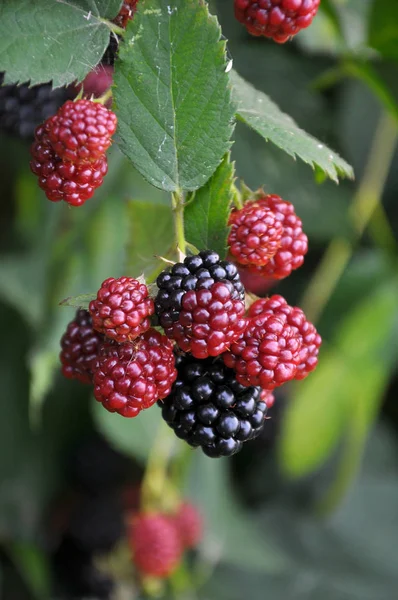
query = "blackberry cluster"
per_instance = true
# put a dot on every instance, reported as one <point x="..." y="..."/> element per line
<point x="23" y="108"/>
<point x="200" y="271"/>
<point x="208" y="408"/>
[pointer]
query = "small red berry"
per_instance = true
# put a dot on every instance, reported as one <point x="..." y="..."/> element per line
<point x="255" y="234"/>
<point x="267" y="354"/>
<point x="81" y="131"/>
<point x="79" y="347"/>
<point x="276" y="19"/>
<point x="156" y="544"/>
<point x="126" y="13"/>
<point x="209" y="321"/>
<point x="122" y="309"/>
<point x="189" y="523"/>
<point x="64" y="180"/>
<point x="130" y="377"/>
<point x="294" y="243"/>
<point x="267" y="397"/>
<point x="96" y="83"/>
<point x="310" y="338"/>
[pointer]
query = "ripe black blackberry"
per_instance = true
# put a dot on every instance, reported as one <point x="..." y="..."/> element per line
<point x="210" y="409"/>
<point x="196" y="272"/>
<point x="23" y="108"/>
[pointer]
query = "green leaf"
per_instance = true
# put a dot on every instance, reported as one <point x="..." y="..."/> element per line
<point x="43" y="40"/>
<point x="228" y="527"/>
<point x="151" y="235"/>
<point x="383" y="28"/>
<point x="81" y="301"/>
<point x="207" y="211"/>
<point x="172" y="94"/>
<point x="345" y="390"/>
<point x="257" y="111"/>
<point x="131" y="436"/>
<point x="33" y="567"/>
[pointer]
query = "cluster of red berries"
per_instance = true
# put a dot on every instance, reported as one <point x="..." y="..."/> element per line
<point x="276" y="19"/>
<point x="113" y="346"/>
<point x="158" y="540"/>
<point x="214" y="370"/>
<point x="68" y="154"/>
<point x="126" y="13"/>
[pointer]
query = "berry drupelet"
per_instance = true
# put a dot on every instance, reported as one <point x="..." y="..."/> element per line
<point x="209" y="408"/>
<point x="189" y="523"/>
<point x="122" y="309"/>
<point x="131" y="377"/>
<point x="79" y="347"/>
<point x="276" y="19"/>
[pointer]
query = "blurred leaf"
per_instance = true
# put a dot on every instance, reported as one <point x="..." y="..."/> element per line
<point x="151" y="234"/>
<point x="383" y="28"/>
<point x="132" y="436"/>
<point x="65" y="40"/>
<point x="175" y="136"/>
<point x="81" y="301"/>
<point x="23" y="277"/>
<point x="42" y="367"/>
<point x="346" y="387"/>
<point x="206" y="215"/>
<point x="229" y="532"/>
<point x="257" y="111"/>
<point x="33" y="567"/>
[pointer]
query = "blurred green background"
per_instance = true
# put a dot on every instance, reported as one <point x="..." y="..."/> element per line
<point x="309" y="511"/>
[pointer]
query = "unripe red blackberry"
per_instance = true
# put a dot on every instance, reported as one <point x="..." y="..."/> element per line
<point x="294" y="242"/>
<point x="131" y="377"/>
<point x="276" y="19"/>
<point x="209" y="408"/>
<point x="197" y="272"/>
<point x="122" y="309"/>
<point x="267" y="397"/>
<point x="79" y="347"/>
<point x="156" y="544"/>
<point x="96" y="83"/>
<point x="267" y="354"/>
<point x="126" y="13"/>
<point x="81" y="131"/>
<point x="209" y="321"/>
<point x="23" y="108"/>
<point x="310" y="338"/>
<point x="255" y="234"/>
<point x="189" y="524"/>
<point x="64" y="180"/>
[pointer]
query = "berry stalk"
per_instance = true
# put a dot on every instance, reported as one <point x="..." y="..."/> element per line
<point x="177" y="199"/>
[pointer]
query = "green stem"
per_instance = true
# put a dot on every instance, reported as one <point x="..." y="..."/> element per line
<point x="155" y="477"/>
<point x="365" y="203"/>
<point x="114" y="28"/>
<point x="178" y="209"/>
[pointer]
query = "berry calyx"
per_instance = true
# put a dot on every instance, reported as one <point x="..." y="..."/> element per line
<point x="209" y="321"/>
<point x="64" y="180"/>
<point x="130" y="377"/>
<point x="189" y="524"/>
<point x="81" y="131"/>
<point x="209" y="408"/>
<point x="122" y="309"/>
<point x="255" y="234"/>
<point x="294" y="243"/>
<point x="156" y="544"/>
<point x="79" y="347"/>
<point x="276" y="19"/>
<point x="267" y="354"/>
<point x="310" y="338"/>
